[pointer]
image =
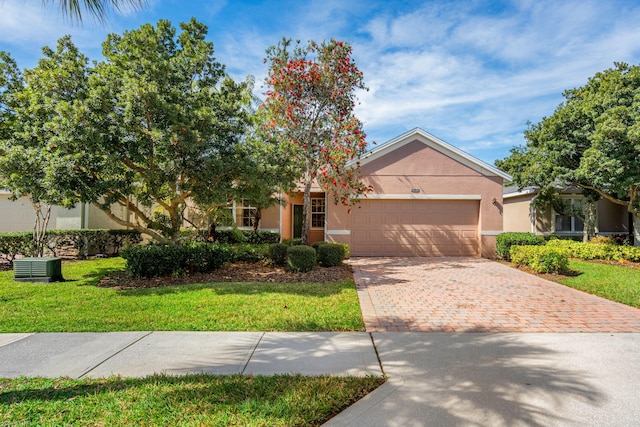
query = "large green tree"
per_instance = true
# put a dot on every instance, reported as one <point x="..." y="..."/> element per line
<point x="592" y="142"/>
<point x="309" y="106"/>
<point x="33" y="107"/>
<point x="158" y="123"/>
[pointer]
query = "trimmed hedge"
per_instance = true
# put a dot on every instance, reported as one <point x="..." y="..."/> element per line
<point x="330" y="254"/>
<point x="278" y="253"/>
<point x="247" y="252"/>
<point x="161" y="260"/>
<point x="300" y="258"/>
<point x="85" y="242"/>
<point x="589" y="251"/>
<point x="541" y="259"/>
<point x="231" y="236"/>
<point x="505" y="241"/>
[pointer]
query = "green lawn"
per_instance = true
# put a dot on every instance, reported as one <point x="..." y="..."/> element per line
<point x="195" y="400"/>
<point x="78" y="305"/>
<point x="613" y="282"/>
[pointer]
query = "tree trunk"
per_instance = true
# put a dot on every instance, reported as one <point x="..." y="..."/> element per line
<point x="256" y="219"/>
<point x="306" y="213"/>
<point x="43" y="214"/>
<point x="590" y="220"/>
<point x="636" y="229"/>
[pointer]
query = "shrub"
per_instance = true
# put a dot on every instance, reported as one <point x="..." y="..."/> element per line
<point x="16" y="243"/>
<point x="605" y="240"/>
<point x="203" y="257"/>
<point x="278" y="253"/>
<point x="588" y="251"/>
<point x="231" y="236"/>
<point x="261" y="237"/>
<point x="330" y="254"/>
<point x="301" y="258"/>
<point x="85" y="242"/>
<point x="541" y="259"/>
<point x="505" y="241"/>
<point x="161" y="260"/>
<point x="246" y="252"/>
<point x="292" y="242"/>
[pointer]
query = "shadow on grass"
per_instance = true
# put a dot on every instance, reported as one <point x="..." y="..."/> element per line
<point x="172" y="398"/>
<point x="319" y="290"/>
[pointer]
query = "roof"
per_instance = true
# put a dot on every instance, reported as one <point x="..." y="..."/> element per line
<point x="438" y="145"/>
<point x="515" y="191"/>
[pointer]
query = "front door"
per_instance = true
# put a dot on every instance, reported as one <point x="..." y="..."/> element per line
<point x="297" y="221"/>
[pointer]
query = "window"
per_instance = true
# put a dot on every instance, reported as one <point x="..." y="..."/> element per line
<point x="317" y="213"/>
<point x="248" y="214"/>
<point x="568" y="223"/>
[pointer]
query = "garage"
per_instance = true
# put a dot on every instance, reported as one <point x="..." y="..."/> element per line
<point x="415" y="228"/>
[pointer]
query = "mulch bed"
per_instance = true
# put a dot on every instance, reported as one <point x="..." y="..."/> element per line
<point x="236" y="272"/>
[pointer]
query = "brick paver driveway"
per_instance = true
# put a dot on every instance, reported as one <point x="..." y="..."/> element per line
<point x="475" y="294"/>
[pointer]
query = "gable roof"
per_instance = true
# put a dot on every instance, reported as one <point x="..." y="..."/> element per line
<point x="438" y="145"/>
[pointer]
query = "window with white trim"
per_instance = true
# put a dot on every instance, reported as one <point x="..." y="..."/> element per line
<point x="317" y="213"/>
<point x="246" y="215"/>
<point x="568" y="223"/>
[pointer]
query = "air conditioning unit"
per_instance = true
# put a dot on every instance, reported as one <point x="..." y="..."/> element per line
<point x="38" y="269"/>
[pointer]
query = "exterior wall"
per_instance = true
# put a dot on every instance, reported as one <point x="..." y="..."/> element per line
<point x="98" y="219"/>
<point x="270" y="218"/>
<point x="19" y="216"/>
<point x="316" y="234"/>
<point x="416" y="170"/>
<point x="517" y="213"/>
<point x="612" y="218"/>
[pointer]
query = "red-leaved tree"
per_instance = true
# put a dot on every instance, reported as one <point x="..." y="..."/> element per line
<point x="309" y="106"/>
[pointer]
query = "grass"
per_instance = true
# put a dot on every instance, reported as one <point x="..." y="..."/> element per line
<point x="613" y="282"/>
<point x="78" y="305"/>
<point x="195" y="400"/>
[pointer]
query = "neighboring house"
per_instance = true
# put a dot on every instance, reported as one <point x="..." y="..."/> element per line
<point x="429" y="199"/>
<point x="19" y="215"/>
<point x="520" y="215"/>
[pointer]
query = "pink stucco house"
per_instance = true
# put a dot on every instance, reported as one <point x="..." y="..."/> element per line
<point x="430" y="199"/>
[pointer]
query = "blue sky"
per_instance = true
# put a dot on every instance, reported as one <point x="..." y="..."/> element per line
<point x="473" y="73"/>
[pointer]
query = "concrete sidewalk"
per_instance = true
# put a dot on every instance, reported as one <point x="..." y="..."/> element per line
<point x="138" y="354"/>
<point x="503" y="379"/>
<point x="434" y="379"/>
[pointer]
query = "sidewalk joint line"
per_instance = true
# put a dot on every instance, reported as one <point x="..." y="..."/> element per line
<point x="384" y="374"/>
<point x="115" y="354"/>
<point x="252" y="353"/>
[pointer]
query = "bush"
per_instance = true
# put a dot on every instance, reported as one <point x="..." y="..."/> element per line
<point x="301" y="258"/>
<point x="161" y="260"/>
<point x="605" y="240"/>
<point x="505" y="241"/>
<point x="246" y="252"/>
<point x="261" y="237"/>
<point x="278" y="253"/>
<point x="84" y="242"/>
<point x="330" y="254"/>
<point x="541" y="259"/>
<point x="17" y="243"/>
<point x="292" y="242"/>
<point x="231" y="236"/>
<point x="589" y="251"/>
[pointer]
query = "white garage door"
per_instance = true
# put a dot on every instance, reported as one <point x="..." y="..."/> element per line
<point x="415" y="228"/>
